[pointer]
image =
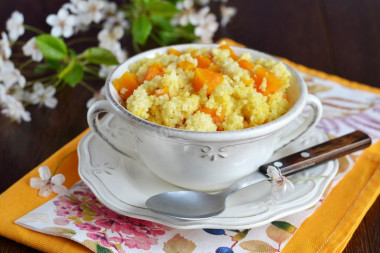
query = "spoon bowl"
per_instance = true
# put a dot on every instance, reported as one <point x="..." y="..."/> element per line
<point x="191" y="205"/>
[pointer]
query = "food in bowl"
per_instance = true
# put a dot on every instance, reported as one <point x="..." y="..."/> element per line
<point x="205" y="89"/>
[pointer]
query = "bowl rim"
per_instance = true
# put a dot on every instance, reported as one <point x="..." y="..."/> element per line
<point x="261" y="130"/>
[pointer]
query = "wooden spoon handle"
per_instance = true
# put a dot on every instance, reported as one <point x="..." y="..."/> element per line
<point x="320" y="153"/>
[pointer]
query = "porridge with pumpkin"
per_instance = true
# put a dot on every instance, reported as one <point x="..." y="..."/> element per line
<point x="207" y="89"/>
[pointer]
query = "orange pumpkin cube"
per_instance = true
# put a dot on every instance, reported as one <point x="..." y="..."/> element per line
<point x="186" y="65"/>
<point x="203" y="62"/>
<point x="215" y="118"/>
<point x="126" y="84"/>
<point x="154" y="70"/>
<point x="273" y="82"/>
<point x="206" y="77"/>
<point x="232" y="53"/>
<point x="174" y="51"/>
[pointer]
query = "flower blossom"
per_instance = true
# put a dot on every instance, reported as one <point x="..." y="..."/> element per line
<point x="47" y="183"/>
<point x="14" y="109"/>
<point x="31" y="49"/>
<point x="3" y="93"/>
<point x="5" y="49"/>
<point x="15" y="25"/>
<point x="116" y="20"/>
<point x="203" y="2"/>
<point x="91" y="10"/>
<point x="10" y="76"/>
<point x="63" y="23"/>
<point x="43" y="96"/>
<point x="100" y="95"/>
<point x="109" y="38"/>
<point x="227" y="13"/>
<point x="207" y="25"/>
<point x="187" y="15"/>
<point x="279" y="183"/>
<point x="105" y="70"/>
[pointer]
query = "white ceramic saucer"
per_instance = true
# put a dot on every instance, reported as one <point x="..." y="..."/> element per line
<point x="124" y="185"/>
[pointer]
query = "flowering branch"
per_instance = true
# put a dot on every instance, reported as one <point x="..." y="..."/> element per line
<point x="53" y="62"/>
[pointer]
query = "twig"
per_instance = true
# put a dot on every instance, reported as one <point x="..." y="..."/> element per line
<point x="87" y="86"/>
<point x="33" y="29"/>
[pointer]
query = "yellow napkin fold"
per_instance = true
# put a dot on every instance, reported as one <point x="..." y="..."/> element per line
<point x="327" y="230"/>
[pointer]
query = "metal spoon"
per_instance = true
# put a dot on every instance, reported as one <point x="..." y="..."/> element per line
<point x="194" y="205"/>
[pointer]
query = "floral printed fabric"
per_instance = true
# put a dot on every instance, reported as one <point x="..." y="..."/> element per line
<point x="79" y="216"/>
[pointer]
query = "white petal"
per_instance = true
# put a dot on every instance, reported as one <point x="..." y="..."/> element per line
<point x="183" y="21"/>
<point x="50" y="91"/>
<point x="37" y="183"/>
<point x="63" y="14"/>
<point x="58" y="179"/>
<point x="118" y="31"/>
<point x="45" y="191"/>
<point x="51" y="102"/>
<point x="67" y="31"/>
<point x="59" y="189"/>
<point x="71" y="21"/>
<point x="56" y="31"/>
<point x="44" y="173"/>
<point x="38" y="88"/>
<point x="52" y="20"/>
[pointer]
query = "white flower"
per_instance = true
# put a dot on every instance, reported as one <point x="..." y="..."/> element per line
<point x="117" y="20"/>
<point x="5" y="49"/>
<point x="121" y="55"/>
<point x="105" y="70"/>
<point x="46" y="183"/>
<point x="72" y="6"/>
<point x="43" y="96"/>
<point x="63" y="23"/>
<point x="188" y="14"/>
<point x="203" y="2"/>
<point x="109" y="38"/>
<point x="15" y="25"/>
<point x="92" y="10"/>
<point x="109" y="8"/>
<point x="279" y="183"/>
<point x="207" y="25"/>
<point x="100" y="95"/>
<point x="31" y="49"/>
<point x="14" y="109"/>
<point x="227" y="13"/>
<point x="3" y="93"/>
<point x="10" y="76"/>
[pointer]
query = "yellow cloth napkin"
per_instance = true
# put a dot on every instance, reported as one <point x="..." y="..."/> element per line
<point x="327" y="230"/>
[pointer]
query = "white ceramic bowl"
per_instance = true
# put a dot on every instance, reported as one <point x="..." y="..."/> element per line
<point x="205" y="161"/>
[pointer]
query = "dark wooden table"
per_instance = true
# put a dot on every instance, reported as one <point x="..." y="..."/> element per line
<point x="340" y="37"/>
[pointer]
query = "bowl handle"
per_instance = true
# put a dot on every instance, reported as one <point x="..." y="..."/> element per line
<point x="310" y="122"/>
<point x="97" y="127"/>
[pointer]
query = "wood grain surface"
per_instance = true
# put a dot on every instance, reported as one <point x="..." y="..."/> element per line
<point x="341" y="37"/>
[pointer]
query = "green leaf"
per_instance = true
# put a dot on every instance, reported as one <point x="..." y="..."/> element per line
<point x="41" y="68"/>
<point x="175" y="1"/>
<point x="162" y="9"/>
<point x="53" y="64"/>
<point x="163" y="23"/>
<point x="99" y="55"/>
<point x="74" y="76"/>
<point x="240" y="235"/>
<point x="101" y="249"/>
<point x="51" y="47"/>
<point x="68" y="68"/>
<point x="141" y="29"/>
<point x="285" y="226"/>
<point x="168" y="37"/>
